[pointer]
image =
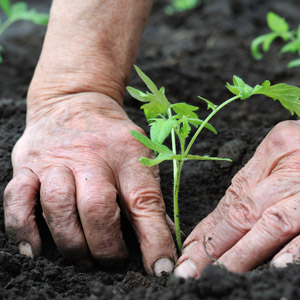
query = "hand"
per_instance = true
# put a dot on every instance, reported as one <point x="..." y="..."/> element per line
<point x="259" y="213"/>
<point x="79" y="156"/>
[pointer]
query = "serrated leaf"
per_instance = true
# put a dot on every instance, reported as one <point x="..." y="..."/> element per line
<point x="240" y="88"/>
<point x="293" y="46"/>
<point x="197" y="122"/>
<point x="160" y="129"/>
<point x="184" y="109"/>
<point x="210" y="105"/>
<point x="277" y="23"/>
<point x="294" y="63"/>
<point x="158" y="103"/>
<point x="185" y="127"/>
<point x="149" y="83"/>
<point x="5" y="6"/>
<point x="287" y="95"/>
<point x="159" y="159"/>
<point x="155" y="146"/>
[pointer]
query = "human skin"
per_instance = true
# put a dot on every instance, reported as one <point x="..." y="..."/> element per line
<point x="259" y="213"/>
<point x="76" y="153"/>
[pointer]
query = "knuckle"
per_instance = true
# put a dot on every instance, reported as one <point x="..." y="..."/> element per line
<point x="277" y="222"/>
<point x="146" y="201"/>
<point x="103" y="205"/>
<point x="242" y="214"/>
<point x="282" y="135"/>
<point x="57" y="196"/>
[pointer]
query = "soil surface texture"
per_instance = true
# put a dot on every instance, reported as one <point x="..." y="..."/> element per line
<point x="191" y="53"/>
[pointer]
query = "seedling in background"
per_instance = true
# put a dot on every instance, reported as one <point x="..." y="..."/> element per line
<point x="279" y="28"/>
<point x="19" y="12"/>
<point x="175" y="120"/>
<point x="180" y="5"/>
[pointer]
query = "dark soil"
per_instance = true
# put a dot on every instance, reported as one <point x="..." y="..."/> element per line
<point x="191" y="53"/>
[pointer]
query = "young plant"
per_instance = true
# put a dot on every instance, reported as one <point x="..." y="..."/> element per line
<point x="175" y="120"/>
<point x="19" y="12"/>
<point x="279" y="28"/>
<point x="180" y="5"/>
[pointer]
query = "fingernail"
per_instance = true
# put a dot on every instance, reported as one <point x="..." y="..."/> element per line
<point x="163" y="265"/>
<point x="186" y="269"/>
<point x="283" y="260"/>
<point x="25" y="249"/>
<point x="188" y="247"/>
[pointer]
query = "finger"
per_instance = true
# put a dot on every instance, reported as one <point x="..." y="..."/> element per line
<point x="59" y="209"/>
<point x="100" y="213"/>
<point x="171" y="226"/>
<point x="19" y="202"/>
<point x="145" y="208"/>
<point x="238" y="219"/>
<point x="278" y="224"/>
<point x="288" y="255"/>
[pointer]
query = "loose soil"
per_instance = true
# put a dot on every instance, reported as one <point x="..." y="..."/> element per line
<point x="191" y="53"/>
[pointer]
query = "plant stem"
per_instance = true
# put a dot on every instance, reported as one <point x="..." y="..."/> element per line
<point x="205" y="122"/>
<point x="176" y="207"/>
<point x="173" y="149"/>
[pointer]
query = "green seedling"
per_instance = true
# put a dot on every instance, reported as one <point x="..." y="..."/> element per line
<point x="180" y="5"/>
<point x="175" y="120"/>
<point x="19" y="12"/>
<point x="279" y="29"/>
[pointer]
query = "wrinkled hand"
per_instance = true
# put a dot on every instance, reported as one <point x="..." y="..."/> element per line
<point x="259" y="213"/>
<point x="79" y="156"/>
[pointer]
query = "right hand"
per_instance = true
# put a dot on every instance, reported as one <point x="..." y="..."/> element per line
<point x="77" y="154"/>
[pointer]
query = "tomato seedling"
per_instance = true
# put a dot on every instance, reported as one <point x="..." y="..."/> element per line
<point x="19" y="12"/>
<point x="279" y="28"/>
<point x="166" y="119"/>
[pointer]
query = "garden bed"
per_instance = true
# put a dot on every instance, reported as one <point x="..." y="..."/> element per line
<point x="191" y="53"/>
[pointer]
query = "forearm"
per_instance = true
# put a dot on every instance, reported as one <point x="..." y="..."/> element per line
<point x="89" y="46"/>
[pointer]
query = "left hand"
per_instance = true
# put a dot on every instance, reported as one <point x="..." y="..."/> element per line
<point x="258" y="214"/>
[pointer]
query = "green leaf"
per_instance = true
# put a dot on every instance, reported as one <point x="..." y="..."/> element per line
<point x="19" y="11"/>
<point x="206" y="157"/>
<point x="210" y="105"/>
<point x="150" y="144"/>
<point x="158" y="103"/>
<point x="138" y="95"/>
<point x="240" y="88"/>
<point x="294" y="63"/>
<point x="277" y="23"/>
<point x="197" y="122"/>
<point x="160" y="129"/>
<point x="184" y="109"/>
<point x="185" y="128"/>
<point x="149" y="83"/>
<point x="5" y="6"/>
<point x="256" y="44"/>
<point x="269" y="38"/>
<point x="287" y="95"/>
<point x="293" y="47"/>
<point x="159" y="159"/>
<point x="182" y="5"/>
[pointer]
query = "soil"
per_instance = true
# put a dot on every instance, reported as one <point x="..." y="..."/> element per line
<point x="190" y="53"/>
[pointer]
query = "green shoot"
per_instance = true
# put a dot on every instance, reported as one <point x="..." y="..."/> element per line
<point x="19" y="12"/>
<point x="180" y="5"/>
<point x="279" y="29"/>
<point x="175" y="120"/>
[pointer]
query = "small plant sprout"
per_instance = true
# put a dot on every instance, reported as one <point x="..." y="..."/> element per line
<point x="180" y="5"/>
<point x="279" y="28"/>
<point x="175" y="120"/>
<point x="19" y="12"/>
